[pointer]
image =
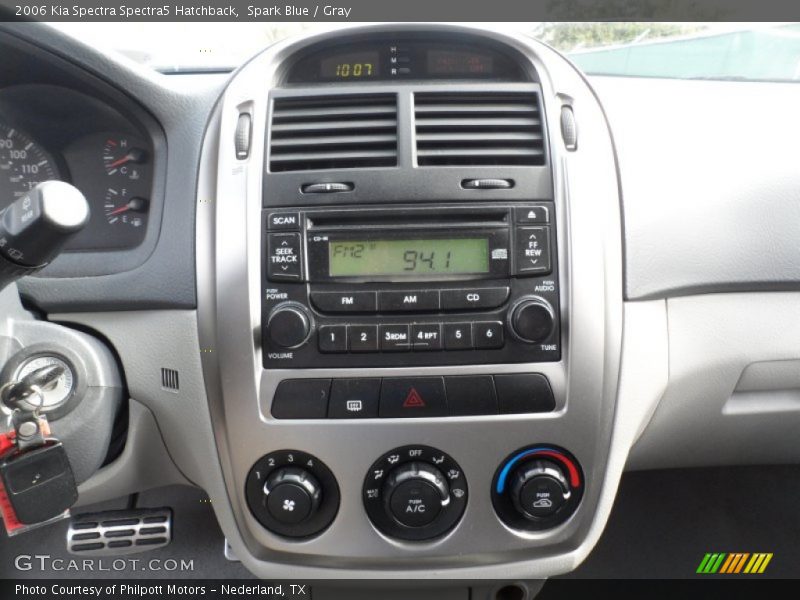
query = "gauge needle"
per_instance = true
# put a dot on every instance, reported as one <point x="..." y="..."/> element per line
<point x="121" y="161"/>
<point x="121" y="209"/>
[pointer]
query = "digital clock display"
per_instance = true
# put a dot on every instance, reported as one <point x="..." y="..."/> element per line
<point x="456" y="62"/>
<point x="410" y="257"/>
<point x="353" y="65"/>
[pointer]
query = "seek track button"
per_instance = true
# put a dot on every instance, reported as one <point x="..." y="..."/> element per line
<point x="284" y="256"/>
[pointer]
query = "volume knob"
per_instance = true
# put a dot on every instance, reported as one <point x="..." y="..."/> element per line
<point x="289" y="325"/>
<point x="532" y="320"/>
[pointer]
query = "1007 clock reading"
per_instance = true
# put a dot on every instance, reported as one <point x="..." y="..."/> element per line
<point x="357" y="258"/>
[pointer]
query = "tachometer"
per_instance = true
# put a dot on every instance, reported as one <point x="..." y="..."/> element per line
<point x="23" y="164"/>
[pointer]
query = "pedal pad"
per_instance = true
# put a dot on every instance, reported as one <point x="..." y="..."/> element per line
<point x="116" y="532"/>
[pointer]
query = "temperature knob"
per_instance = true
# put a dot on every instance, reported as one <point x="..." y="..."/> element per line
<point x="537" y="488"/>
<point x="532" y="320"/>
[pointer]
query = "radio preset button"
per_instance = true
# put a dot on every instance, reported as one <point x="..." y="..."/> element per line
<point x="468" y="299"/>
<point x="413" y="300"/>
<point x="394" y="338"/>
<point x="363" y="338"/>
<point x="458" y="336"/>
<point x="335" y="302"/>
<point x="426" y="336"/>
<point x="533" y="250"/>
<point x="283" y="221"/>
<point x="284" y="253"/>
<point x="488" y="335"/>
<point x="532" y="214"/>
<point x="333" y="338"/>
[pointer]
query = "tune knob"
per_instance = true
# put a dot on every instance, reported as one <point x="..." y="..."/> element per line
<point x="292" y="495"/>
<point x="415" y="494"/>
<point x="532" y="320"/>
<point x="289" y="325"/>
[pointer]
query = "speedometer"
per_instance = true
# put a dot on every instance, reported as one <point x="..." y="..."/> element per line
<point x="23" y="164"/>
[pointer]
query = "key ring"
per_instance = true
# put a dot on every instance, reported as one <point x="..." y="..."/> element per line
<point x="9" y="410"/>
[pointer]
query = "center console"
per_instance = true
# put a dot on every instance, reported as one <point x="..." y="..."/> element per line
<point x="412" y="328"/>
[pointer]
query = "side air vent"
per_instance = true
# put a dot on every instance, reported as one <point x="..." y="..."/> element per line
<point x="333" y="132"/>
<point x="479" y="128"/>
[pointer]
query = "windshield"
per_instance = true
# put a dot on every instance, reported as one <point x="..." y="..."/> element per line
<point x="741" y="51"/>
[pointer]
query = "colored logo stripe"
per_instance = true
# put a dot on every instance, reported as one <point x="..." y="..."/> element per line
<point x="734" y="563"/>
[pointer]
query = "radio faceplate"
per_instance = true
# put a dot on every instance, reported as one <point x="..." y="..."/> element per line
<point x="444" y="285"/>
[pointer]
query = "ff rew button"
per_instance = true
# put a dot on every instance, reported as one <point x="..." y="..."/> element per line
<point x="409" y="397"/>
<point x="533" y="250"/>
<point x="284" y="256"/>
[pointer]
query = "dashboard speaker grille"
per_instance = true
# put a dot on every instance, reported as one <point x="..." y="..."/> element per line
<point x="479" y="128"/>
<point x="333" y="132"/>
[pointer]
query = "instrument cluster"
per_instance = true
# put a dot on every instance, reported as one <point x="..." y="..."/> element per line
<point x="51" y="132"/>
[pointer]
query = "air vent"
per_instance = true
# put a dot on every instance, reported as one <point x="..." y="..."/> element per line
<point x="479" y="128"/>
<point x="334" y="132"/>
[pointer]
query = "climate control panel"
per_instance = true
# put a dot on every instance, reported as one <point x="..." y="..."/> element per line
<point x="414" y="493"/>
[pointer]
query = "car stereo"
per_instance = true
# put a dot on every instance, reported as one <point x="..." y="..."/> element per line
<point x="410" y="285"/>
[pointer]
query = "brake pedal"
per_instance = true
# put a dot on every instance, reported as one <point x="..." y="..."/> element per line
<point x="115" y="532"/>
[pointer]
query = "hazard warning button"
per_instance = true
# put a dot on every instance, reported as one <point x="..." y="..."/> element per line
<point x="413" y="397"/>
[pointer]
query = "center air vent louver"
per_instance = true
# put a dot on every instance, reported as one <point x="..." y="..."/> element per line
<point x="333" y="132"/>
<point x="479" y="128"/>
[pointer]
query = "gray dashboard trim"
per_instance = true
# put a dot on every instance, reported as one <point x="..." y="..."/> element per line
<point x="711" y="184"/>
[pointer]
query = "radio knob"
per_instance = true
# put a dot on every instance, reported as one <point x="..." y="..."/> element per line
<point x="532" y="320"/>
<point x="289" y="325"/>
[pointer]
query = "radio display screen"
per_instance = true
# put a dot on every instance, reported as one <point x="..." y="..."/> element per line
<point x="457" y="256"/>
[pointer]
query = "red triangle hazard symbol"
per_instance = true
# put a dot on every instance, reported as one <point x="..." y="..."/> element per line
<point x="413" y="400"/>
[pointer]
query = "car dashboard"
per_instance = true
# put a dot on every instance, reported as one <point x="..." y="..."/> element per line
<point x="394" y="295"/>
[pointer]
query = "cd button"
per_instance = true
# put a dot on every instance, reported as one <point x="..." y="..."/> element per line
<point x="394" y="338"/>
<point x="427" y="336"/>
<point x="363" y="338"/>
<point x="335" y="302"/>
<point x="399" y="301"/>
<point x="467" y="299"/>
